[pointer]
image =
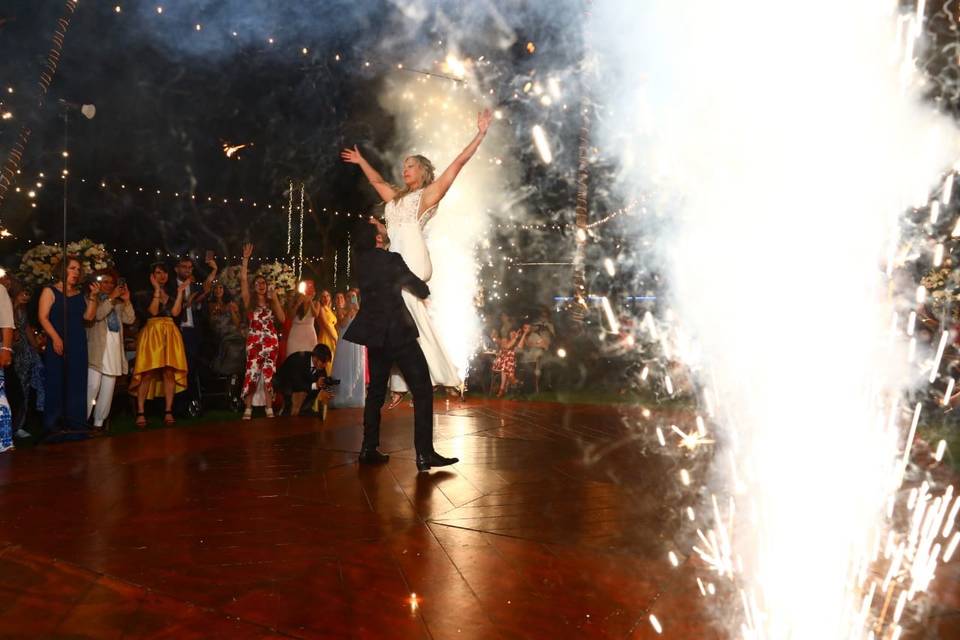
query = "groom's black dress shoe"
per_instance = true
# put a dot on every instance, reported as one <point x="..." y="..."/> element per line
<point x="433" y="459"/>
<point x="372" y="456"/>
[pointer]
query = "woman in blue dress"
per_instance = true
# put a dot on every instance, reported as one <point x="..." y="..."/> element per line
<point x="348" y="360"/>
<point x="65" y="358"/>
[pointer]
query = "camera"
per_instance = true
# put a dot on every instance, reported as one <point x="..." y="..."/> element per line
<point x="330" y="382"/>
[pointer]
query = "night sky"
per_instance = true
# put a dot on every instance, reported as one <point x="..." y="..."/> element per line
<point x="169" y="96"/>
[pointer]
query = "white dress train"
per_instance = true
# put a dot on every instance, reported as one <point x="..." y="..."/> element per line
<point x="405" y="229"/>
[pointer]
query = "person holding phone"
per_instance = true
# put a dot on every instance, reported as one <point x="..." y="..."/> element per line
<point x="264" y="314"/>
<point x="107" y="360"/>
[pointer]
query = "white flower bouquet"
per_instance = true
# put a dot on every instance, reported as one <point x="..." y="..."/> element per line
<point x="40" y="264"/>
<point x="280" y="276"/>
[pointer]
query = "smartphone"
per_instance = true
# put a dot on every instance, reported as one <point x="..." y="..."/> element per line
<point x="122" y="283"/>
<point x="99" y="278"/>
<point x="302" y="287"/>
<point x="209" y="255"/>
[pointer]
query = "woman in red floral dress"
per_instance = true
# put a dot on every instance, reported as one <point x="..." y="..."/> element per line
<point x="263" y="344"/>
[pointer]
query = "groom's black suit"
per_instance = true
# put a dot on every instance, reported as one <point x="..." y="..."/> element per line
<point x="385" y="326"/>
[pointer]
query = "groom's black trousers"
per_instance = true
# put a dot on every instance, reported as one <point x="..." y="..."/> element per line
<point x="413" y="365"/>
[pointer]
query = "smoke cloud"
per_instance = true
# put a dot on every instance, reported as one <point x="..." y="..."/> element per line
<point x="790" y="140"/>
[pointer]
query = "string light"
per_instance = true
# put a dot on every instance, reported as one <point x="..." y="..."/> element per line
<point x="289" y="215"/>
<point x="300" y="250"/>
<point x="162" y="253"/>
<point x="12" y="165"/>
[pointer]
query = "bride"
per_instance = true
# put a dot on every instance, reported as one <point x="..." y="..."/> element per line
<point x="409" y="208"/>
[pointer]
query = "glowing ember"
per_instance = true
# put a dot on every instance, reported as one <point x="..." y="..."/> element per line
<point x="231" y="149"/>
<point x="543" y="147"/>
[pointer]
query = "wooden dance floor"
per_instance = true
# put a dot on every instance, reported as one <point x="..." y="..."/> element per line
<point x="556" y="524"/>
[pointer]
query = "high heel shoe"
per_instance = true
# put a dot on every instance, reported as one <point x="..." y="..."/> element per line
<point x="425" y="461"/>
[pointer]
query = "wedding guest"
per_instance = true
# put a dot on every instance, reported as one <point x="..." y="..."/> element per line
<point x="302" y="378"/>
<point x="27" y="361"/>
<point x="349" y="363"/>
<point x="506" y="362"/>
<point x="161" y="366"/>
<point x="105" y="344"/>
<point x="302" y="314"/>
<point x="327" y="323"/>
<point x="537" y="345"/>
<point x="189" y="323"/>
<point x="63" y="310"/>
<point x="264" y="313"/>
<point x="223" y="318"/>
<point x="343" y="311"/>
<point x="6" y="359"/>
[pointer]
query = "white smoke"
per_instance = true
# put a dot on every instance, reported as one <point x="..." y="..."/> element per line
<point x="793" y="141"/>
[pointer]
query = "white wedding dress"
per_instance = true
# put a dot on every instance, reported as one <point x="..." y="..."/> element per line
<point x="405" y="229"/>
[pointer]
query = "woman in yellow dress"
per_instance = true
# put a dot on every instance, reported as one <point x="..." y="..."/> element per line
<point x="161" y="365"/>
<point x="327" y="324"/>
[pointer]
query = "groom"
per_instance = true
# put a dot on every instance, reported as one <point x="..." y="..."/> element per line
<point x="385" y="326"/>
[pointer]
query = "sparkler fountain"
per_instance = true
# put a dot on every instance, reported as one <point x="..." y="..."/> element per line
<point x="792" y="137"/>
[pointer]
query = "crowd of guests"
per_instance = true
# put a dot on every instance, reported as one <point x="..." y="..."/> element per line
<point x="73" y="346"/>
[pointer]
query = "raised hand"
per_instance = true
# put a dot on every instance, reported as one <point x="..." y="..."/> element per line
<point x="154" y="283"/>
<point x="94" y="289"/>
<point x="247" y="250"/>
<point x="484" y="118"/>
<point x="351" y="156"/>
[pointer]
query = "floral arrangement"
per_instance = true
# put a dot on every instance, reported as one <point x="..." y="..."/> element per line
<point x="229" y="277"/>
<point x="278" y="275"/>
<point x="39" y="265"/>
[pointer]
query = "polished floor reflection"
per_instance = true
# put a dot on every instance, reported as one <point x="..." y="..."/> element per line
<point x="555" y="524"/>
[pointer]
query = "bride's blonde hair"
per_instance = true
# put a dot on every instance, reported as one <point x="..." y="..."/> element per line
<point x="429" y="172"/>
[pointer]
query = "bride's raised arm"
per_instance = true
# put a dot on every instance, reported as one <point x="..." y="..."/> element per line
<point x="435" y="191"/>
<point x="353" y="156"/>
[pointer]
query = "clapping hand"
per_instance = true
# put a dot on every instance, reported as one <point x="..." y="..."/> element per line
<point x="153" y="281"/>
<point x="484" y="118"/>
<point x="351" y="156"/>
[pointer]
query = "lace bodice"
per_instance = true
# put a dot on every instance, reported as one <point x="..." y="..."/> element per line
<point x="405" y="210"/>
